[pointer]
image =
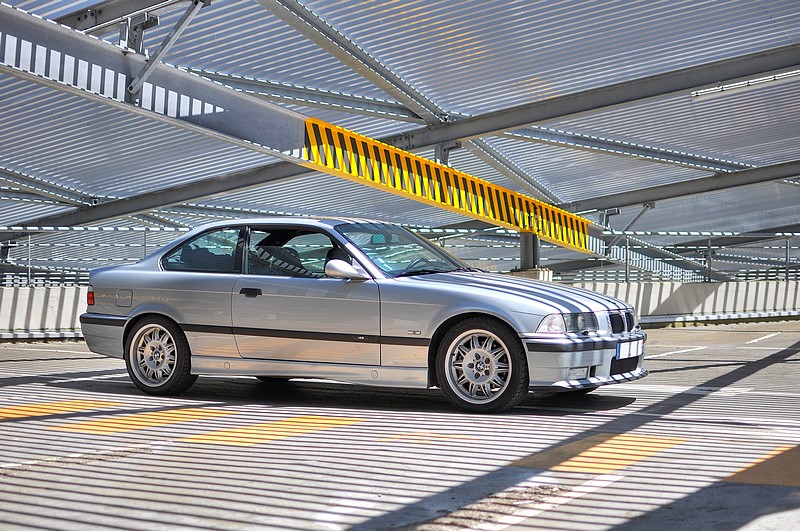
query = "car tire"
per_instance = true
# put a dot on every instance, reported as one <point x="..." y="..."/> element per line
<point x="481" y="366"/>
<point x="157" y="357"/>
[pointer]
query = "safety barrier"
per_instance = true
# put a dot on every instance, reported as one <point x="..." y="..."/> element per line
<point x="50" y="312"/>
<point x="336" y="150"/>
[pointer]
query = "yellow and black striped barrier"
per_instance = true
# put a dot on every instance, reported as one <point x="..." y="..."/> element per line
<point x="338" y="151"/>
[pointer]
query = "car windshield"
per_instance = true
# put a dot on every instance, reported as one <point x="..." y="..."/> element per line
<point x="399" y="252"/>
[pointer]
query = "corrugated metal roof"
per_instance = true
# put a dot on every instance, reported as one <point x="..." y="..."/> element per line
<point x="469" y="57"/>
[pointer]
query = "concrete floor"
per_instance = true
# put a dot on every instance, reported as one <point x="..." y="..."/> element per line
<point x="710" y="440"/>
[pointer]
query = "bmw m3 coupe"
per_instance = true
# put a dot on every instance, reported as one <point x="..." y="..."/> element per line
<point x="355" y="301"/>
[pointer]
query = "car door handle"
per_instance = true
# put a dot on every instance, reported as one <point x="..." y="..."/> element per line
<point x="250" y="292"/>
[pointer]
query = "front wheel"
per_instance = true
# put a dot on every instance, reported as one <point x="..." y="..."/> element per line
<point x="481" y="366"/>
<point x="157" y="357"/>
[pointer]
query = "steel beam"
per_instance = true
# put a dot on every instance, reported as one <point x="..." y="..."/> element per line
<point x="543" y="135"/>
<point x="497" y="160"/>
<point x="100" y="17"/>
<point x="160" y="198"/>
<point x="642" y="89"/>
<point x="43" y="52"/>
<point x="44" y="189"/>
<point x="745" y="238"/>
<point x="718" y="181"/>
<point x="308" y="24"/>
<point x="314" y="97"/>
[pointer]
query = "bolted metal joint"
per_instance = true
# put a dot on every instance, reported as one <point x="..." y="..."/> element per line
<point x="443" y="150"/>
<point x="131" y="31"/>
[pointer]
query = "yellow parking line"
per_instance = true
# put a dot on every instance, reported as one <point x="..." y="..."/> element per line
<point x="141" y="421"/>
<point x="52" y="408"/>
<point x="271" y="431"/>
<point x="600" y="453"/>
<point x="780" y="467"/>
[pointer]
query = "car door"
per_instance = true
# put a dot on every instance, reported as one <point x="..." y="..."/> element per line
<point x="285" y="308"/>
<point x="195" y="286"/>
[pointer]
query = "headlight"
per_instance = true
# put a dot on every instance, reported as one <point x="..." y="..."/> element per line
<point x="575" y="323"/>
<point x="580" y="322"/>
<point x="552" y="324"/>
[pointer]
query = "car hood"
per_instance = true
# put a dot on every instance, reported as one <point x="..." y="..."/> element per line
<point x="535" y="295"/>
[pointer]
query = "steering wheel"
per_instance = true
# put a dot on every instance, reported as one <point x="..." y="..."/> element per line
<point x="417" y="262"/>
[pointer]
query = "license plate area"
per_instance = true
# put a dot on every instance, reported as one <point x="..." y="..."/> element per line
<point x="630" y="349"/>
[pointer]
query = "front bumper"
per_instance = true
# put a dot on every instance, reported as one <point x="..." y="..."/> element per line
<point x="585" y="362"/>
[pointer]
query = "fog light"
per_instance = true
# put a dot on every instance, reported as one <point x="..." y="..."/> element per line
<point x="578" y="373"/>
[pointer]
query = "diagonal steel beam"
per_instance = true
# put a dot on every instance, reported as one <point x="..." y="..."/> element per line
<point x="718" y="181"/>
<point x="44" y="189"/>
<point x="161" y="198"/>
<point x="314" y="97"/>
<point x="308" y="24"/>
<point x="499" y="161"/>
<point x="544" y="135"/>
<point x="166" y="45"/>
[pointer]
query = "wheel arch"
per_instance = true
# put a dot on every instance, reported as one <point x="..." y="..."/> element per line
<point x="138" y="318"/>
<point x="442" y="329"/>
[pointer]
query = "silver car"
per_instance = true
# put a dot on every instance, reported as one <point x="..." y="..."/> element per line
<point x="354" y="301"/>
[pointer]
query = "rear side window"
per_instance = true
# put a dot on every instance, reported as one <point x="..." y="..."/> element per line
<point x="288" y="252"/>
<point x="217" y="251"/>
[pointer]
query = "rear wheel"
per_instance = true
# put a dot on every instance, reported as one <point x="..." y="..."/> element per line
<point x="481" y="366"/>
<point x="157" y="357"/>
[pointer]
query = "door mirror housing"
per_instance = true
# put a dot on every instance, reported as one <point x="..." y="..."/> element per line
<point x="341" y="269"/>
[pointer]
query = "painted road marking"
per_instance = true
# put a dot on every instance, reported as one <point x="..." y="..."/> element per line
<point x="692" y="349"/>
<point x="53" y="408"/>
<point x="600" y="453"/>
<point x="120" y="374"/>
<point x="756" y="340"/>
<point x="271" y="431"/>
<point x="141" y="421"/>
<point x="780" y="467"/>
<point x="423" y="437"/>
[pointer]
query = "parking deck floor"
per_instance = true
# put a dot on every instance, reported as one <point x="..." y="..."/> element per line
<point x="710" y="440"/>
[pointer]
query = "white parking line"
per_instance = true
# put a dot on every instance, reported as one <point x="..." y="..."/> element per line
<point x="91" y="378"/>
<point x="692" y="349"/>
<point x="756" y="340"/>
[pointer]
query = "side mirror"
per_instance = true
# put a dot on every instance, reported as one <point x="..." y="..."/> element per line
<point x="341" y="269"/>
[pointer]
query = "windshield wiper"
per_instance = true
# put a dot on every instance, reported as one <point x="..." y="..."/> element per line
<point x="415" y="272"/>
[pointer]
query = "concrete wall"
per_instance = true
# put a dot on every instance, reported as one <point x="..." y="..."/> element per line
<point x="49" y="312"/>
<point x="41" y="312"/>
<point x="676" y="301"/>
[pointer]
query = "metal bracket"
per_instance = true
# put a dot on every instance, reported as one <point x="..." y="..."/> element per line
<point x="442" y="151"/>
<point x="136" y="85"/>
<point x="645" y="208"/>
<point x="131" y="31"/>
<point x="605" y="217"/>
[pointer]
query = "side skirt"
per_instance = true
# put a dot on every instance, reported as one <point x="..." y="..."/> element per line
<point x="414" y="377"/>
